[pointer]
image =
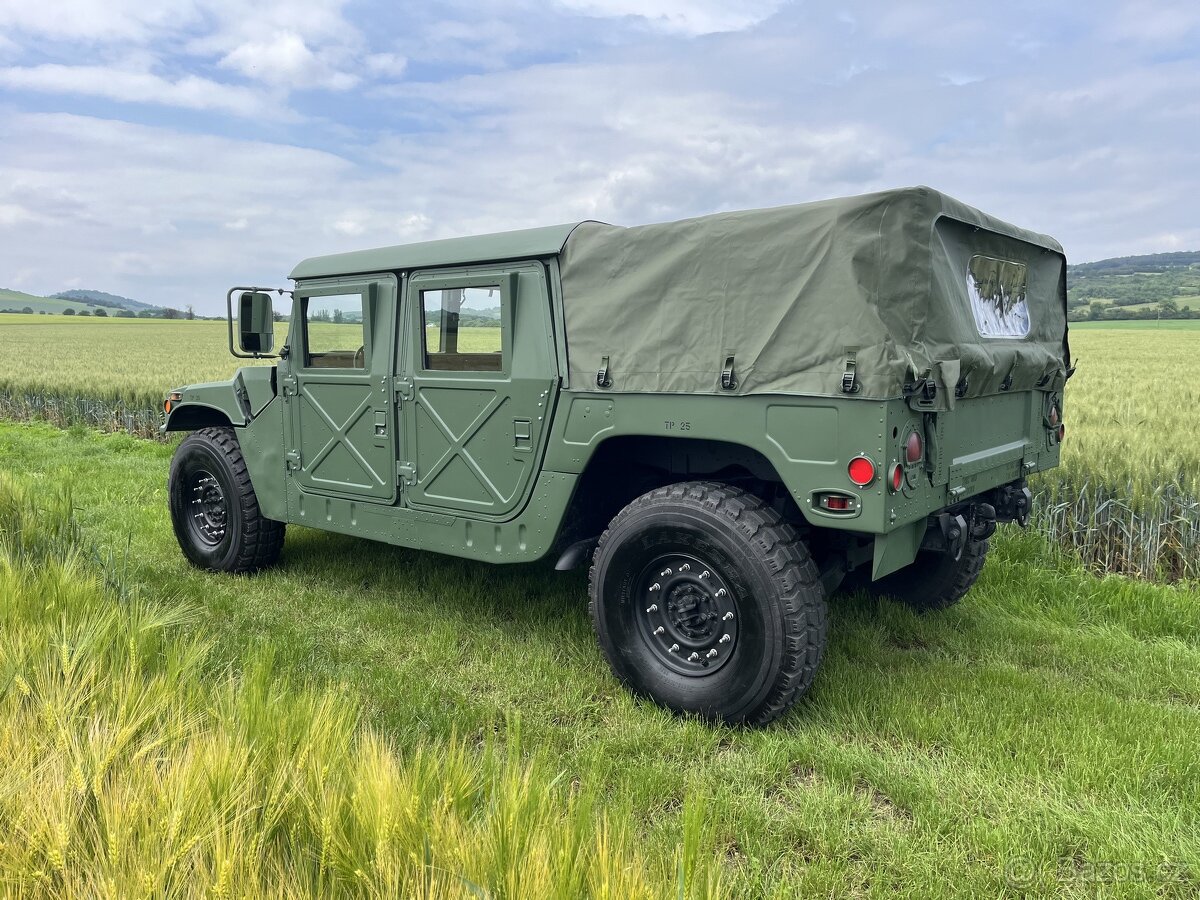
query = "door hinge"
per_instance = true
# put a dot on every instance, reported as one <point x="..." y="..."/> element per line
<point x="406" y="473"/>
<point x="294" y="460"/>
<point x="291" y="387"/>
<point x="404" y="390"/>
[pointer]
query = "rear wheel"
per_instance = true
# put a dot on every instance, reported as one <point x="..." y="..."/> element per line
<point x="934" y="580"/>
<point x="707" y="602"/>
<point x="214" y="509"/>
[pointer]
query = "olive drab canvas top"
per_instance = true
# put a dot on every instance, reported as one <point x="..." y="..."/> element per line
<point x="863" y="295"/>
<point x="870" y="293"/>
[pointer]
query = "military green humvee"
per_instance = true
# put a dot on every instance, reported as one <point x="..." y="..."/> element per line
<point x="726" y="417"/>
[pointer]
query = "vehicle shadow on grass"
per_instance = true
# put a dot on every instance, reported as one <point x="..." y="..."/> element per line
<point x="532" y="599"/>
<point x="520" y="594"/>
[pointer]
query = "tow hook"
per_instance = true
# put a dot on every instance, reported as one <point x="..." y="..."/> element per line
<point x="983" y="521"/>
<point x="949" y="534"/>
<point x="1013" y="503"/>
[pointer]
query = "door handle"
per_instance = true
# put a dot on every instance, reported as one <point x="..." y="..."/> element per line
<point x="522" y="434"/>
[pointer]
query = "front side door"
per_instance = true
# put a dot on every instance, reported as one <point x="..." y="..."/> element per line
<point x="480" y="379"/>
<point x="343" y="418"/>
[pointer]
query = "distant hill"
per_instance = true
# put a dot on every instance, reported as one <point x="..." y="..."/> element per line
<point x="1132" y="265"/>
<point x="1156" y="285"/>
<point x="100" y="298"/>
<point x="16" y="301"/>
<point x="77" y="302"/>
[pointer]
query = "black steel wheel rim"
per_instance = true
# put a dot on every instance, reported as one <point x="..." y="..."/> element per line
<point x="206" y="508"/>
<point x="686" y="613"/>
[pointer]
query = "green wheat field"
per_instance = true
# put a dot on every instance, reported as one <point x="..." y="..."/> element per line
<point x="367" y="721"/>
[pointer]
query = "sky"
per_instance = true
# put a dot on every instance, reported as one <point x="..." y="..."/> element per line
<point x="167" y="150"/>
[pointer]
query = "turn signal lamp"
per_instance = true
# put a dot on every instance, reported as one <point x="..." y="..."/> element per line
<point x="897" y="479"/>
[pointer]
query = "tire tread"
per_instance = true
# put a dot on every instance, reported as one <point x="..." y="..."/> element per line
<point x="777" y="545"/>
<point x="262" y="537"/>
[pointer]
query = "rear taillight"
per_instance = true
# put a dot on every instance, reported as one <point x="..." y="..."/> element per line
<point x="1053" y="418"/>
<point x="914" y="447"/>
<point x="861" y="471"/>
<point x="1062" y="431"/>
<point x="897" y="479"/>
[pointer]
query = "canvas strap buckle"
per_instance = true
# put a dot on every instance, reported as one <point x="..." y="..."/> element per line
<point x="728" y="382"/>
<point x="602" y="379"/>
<point x="850" y="383"/>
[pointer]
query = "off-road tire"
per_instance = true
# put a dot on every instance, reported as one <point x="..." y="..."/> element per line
<point x="240" y="540"/>
<point x="934" y="581"/>
<point x="772" y="587"/>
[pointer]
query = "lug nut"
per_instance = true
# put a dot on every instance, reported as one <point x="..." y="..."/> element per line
<point x="705" y="573"/>
<point x="674" y="648"/>
<point x="653" y="607"/>
<point x="727" y="617"/>
<point x="664" y="573"/>
<point x="721" y="592"/>
<point x="659" y="630"/>
<point x="655" y="587"/>
<point x="711" y="653"/>
<point x="695" y="657"/>
<point x="686" y="567"/>
<point x="725" y="639"/>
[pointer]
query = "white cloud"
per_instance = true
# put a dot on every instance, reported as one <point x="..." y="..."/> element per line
<point x="1091" y="136"/>
<point x="95" y="21"/>
<point x="387" y="65"/>
<point x="688" y="17"/>
<point x="286" y="60"/>
<point x="130" y="86"/>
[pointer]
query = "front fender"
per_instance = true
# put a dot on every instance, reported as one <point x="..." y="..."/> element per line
<point x="233" y="402"/>
<point x="203" y="405"/>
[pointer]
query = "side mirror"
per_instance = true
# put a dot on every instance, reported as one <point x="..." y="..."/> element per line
<point x="256" y="323"/>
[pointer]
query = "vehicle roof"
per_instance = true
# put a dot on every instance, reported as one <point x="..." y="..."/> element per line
<point x="505" y="245"/>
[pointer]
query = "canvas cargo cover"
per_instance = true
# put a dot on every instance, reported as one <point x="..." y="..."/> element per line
<point x="795" y="294"/>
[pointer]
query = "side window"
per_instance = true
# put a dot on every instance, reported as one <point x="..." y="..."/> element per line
<point x="334" y="332"/>
<point x="463" y="329"/>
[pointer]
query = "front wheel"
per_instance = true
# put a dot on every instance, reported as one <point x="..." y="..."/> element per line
<point x="214" y="509"/>
<point x="706" y="601"/>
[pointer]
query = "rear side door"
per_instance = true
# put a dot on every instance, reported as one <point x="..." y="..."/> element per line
<point x="480" y="378"/>
<point x="340" y="388"/>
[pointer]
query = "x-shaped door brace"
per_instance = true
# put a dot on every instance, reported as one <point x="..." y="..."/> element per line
<point x="340" y="436"/>
<point x="458" y="445"/>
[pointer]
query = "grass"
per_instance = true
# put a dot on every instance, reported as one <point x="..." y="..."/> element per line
<point x="1038" y="740"/>
<point x="1137" y="325"/>
<point x="156" y="770"/>
<point x="1127" y="495"/>
<point x="114" y="373"/>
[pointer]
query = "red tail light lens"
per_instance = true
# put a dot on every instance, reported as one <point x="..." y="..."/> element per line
<point x="897" y="477"/>
<point x="1053" y="417"/>
<point x="861" y="471"/>
<point x="1062" y="430"/>
<point x="914" y="448"/>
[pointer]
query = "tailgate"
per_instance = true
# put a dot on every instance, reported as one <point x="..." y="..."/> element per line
<point x="988" y="441"/>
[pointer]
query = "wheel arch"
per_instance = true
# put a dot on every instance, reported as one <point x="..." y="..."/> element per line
<point x="192" y="416"/>
<point x="623" y="467"/>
